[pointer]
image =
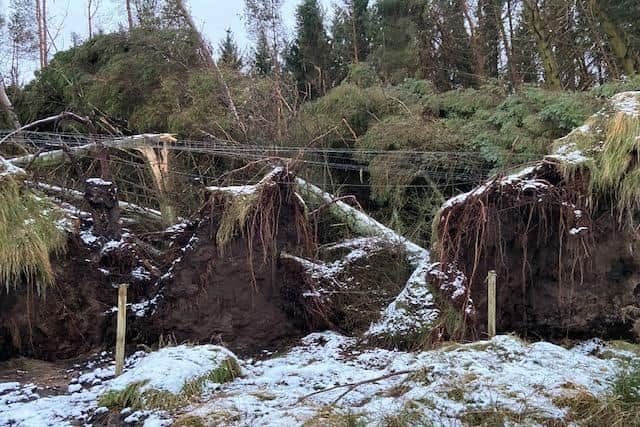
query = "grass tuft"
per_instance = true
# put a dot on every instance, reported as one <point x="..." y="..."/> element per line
<point x="133" y="397"/>
<point x="620" y="408"/>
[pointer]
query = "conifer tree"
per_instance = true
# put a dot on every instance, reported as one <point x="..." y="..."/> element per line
<point x="309" y="57"/>
<point x="262" y="59"/>
<point x="229" y="55"/>
<point x="489" y="18"/>
<point x="395" y="54"/>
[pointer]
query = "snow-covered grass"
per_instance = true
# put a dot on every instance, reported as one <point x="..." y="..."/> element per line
<point x="444" y="386"/>
<point x="171" y="367"/>
<point x="329" y="377"/>
<point x="165" y="379"/>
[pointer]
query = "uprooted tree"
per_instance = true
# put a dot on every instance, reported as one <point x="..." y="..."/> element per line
<point x="562" y="235"/>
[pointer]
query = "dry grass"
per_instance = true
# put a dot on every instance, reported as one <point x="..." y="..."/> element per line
<point x="28" y="236"/>
<point x="133" y="397"/>
<point x="330" y="417"/>
<point x="260" y="215"/>
<point x="621" y="408"/>
<point x="616" y="172"/>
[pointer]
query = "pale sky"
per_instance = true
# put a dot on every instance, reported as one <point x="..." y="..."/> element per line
<point x="213" y="17"/>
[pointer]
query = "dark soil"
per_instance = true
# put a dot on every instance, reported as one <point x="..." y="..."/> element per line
<point x="74" y="316"/>
<point x="65" y="322"/>
<point x="551" y="283"/>
<point x="227" y="297"/>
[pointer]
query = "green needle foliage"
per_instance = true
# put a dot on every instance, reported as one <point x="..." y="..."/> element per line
<point x="29" y="234"/>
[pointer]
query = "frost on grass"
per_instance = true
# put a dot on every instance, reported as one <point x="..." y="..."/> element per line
<point x="627" y="102"/>
<point x="171" y="375"/>
<point x="444" y="386"/>
<point x="170" y="368"/>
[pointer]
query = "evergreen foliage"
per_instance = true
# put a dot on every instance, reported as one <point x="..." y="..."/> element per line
<point x="29" y="234"/>
<point x="229" y="54"/>
<point x="309" y="59"/>
<point x="262" y="60"/>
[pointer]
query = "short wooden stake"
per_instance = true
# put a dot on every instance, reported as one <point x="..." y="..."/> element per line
<point x="491" y="304"/>
<point x="121" y="328"/>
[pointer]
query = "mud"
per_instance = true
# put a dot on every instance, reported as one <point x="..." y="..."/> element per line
<point x="75" y="314"/>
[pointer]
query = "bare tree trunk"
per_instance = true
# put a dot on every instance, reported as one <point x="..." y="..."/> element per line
<point x="475" y="42"/>
<point x="517" y="80"/>
<point x="208" y="59"/>
<point x="89" y="19"/>
<point x="549" y="62"/>
<point x="507" y="46"/>
<point x="129" y="14"/>
<point x="40" y="32"/>
<point x="5" y="102"/>
<point x="618" y="40"/>
<point x="15" y="64"/>
<point x="354" y="33"/>
<point x="45" y="46"/>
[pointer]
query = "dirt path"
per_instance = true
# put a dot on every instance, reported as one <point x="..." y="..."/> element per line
<point x="51" y="378"/>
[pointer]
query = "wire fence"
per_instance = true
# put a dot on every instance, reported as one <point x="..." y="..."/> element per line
<point x="198" y="163"/>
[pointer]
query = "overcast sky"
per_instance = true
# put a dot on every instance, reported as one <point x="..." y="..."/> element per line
<point x="213" y="17"/>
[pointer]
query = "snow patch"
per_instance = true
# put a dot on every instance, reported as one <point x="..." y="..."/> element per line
<point x="627" y="103"/>
<point x="171" y="367"/>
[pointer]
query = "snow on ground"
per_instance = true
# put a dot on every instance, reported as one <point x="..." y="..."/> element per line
<point x="446" y="383"/>
<point x="441" y="384"/>
<point x="414" y="309"/>
<point x="170" y="368"/>
<point x="166" y="369"/>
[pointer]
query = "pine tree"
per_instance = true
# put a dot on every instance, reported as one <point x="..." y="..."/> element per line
<point x="263" y="19"/>
<point x="489" y="18"/>
<point x="395" y="54"/>
<point x="446" y="56"/>
<point x="618" y="24"/>
<point x="309" y="58"/>
<point x="455" y="52"/>
<point x="262" y="62"/>
<point x="229" y="56"/>
<point x="525" y="54"/>
<point x="353" y="19"/>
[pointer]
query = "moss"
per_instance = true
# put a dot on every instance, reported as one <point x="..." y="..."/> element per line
<point x="29" y="235"/>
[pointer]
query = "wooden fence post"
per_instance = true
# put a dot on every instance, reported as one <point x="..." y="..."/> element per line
<point x="121" y="331"/>
<point x="491" y="304"/>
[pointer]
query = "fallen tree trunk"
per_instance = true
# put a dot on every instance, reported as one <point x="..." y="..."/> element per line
<point x="79" y="195"/>
<point x="359" y="222"/>
<point x="5" y="102"/>
<point x="410" y="319"/>
<point x="58" y="156"/>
